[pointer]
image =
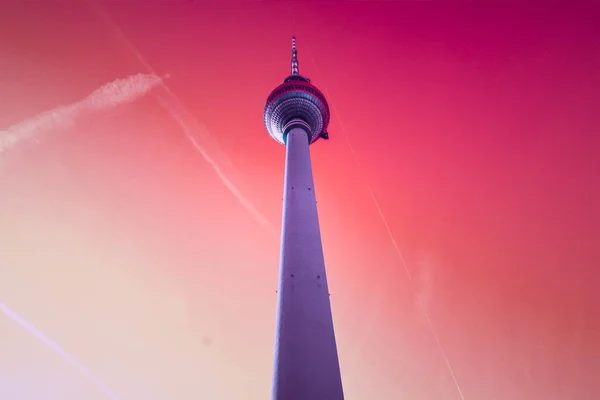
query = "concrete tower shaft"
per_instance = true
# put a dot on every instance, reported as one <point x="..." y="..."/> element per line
<point x="306" y="365"/>
<point x="306" y="360"/>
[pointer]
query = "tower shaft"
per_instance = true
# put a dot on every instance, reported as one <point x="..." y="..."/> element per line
<point x="306" y="365"/>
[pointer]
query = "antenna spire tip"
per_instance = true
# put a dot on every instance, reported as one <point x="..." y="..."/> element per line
<point x="294" y="57"/>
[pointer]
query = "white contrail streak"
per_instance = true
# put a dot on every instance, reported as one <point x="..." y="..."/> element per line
<point x="402" y="261"/>
<point x="56" y="348"/>
<point x="112" y="94"/>
<point x="394" y="243"/>
<point x="188" y="124"/>
<point x="122" y="91"/>
<point x="188" y="127"/>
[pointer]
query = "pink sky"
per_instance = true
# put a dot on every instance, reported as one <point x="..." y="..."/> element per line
<point x="476" y="127"/>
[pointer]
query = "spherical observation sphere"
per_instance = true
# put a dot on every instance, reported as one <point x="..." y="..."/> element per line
<point x="296" y="98"/>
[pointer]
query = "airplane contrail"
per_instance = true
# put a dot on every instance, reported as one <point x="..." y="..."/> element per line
<point x="59" y="350"/>
<point x="189" y="125"/>
<point x="112" y="94"/>
<point x="419" y="297"/>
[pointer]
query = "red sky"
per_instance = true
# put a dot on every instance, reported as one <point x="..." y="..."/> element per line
<point x="476" y="128"/>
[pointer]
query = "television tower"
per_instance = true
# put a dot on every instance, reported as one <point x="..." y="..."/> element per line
<point x="306" y="365"/>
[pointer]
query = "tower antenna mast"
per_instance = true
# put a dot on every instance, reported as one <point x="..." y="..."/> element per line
<point x="295" y="70"/>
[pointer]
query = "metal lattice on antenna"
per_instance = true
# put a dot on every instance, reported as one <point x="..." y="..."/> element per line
<point x="295" y="70"/>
